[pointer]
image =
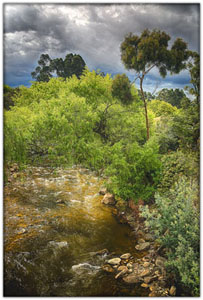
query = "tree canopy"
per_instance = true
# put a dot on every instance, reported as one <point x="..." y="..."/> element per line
<point x="150" y="49"/>
<point x="73" y="64"/>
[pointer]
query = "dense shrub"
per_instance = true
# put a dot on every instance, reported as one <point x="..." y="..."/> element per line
<point x="175" y="223"/>
<point x="134" y="170"/>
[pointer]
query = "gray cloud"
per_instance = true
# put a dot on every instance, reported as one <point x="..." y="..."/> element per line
<point x="95" y="31"/>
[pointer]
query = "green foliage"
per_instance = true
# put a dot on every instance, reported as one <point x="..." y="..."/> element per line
<point x="9" y="93"/>
<point x="172" y="96"/>
<point x="141" y="53"/>
<point x="194" y="69"/>
<point x="175" y="165"/>
<point x="73" y="64"/>
<point x="121" y="89"/>
<point x="175" y="223"/>
<point x="161" y="108"/>
<point x="134" y="170"/>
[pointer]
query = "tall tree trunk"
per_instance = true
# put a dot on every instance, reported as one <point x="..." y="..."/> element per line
<point x="145" y="107"/>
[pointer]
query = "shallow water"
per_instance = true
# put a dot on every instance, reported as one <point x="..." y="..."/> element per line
<point x="54" y="223"/>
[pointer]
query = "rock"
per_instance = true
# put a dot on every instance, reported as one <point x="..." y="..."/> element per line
<point x="103" y="191"/>
<point x="125" y="256"/>
<point x="121" y="268"/>
<point x="131" y="278"/>
<point x="102" y="252"/>
<point x="114" y="261"/>
<point x="108" y="268"/>
<point x="148" y="279"/>
<point x="143" y="246"/>
<point x="172" y="291"/>
<point x="144" y="285"/>
<point x="60" y="201"/>
<point x="146" y="264"/>
<point x="140" y="241"/>
<point x="160" y="261"/>
<point x="149" y="237"/>
<point x="122" y="272"/>
<point x="108" y="199"/>
<point x="129" y="265"/>
<point x="21" y="231"/>
<point x="145" y="273"/>
<point x="152" y="294"/>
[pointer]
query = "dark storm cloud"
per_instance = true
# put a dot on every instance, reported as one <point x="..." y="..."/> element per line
<point x="95" y="31"/>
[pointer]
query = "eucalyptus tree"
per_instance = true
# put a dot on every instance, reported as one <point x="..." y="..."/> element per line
<point x="150" y="50"/>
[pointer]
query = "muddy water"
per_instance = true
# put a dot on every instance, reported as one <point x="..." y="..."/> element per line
<point x="53" y="223"/>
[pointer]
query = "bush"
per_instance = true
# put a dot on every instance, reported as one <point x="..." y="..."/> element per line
<point x="134" y="170"/>
<point x="175" y="223"/>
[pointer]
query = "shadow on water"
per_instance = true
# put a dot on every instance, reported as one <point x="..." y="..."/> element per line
<point x="53" y="223"/>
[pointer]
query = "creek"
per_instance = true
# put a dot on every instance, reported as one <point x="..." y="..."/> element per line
<point x="54" y="223"/>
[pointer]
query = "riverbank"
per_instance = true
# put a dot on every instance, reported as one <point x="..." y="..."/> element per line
<point x="149" y="270"/>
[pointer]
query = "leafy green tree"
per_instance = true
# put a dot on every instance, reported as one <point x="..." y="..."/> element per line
<point x="43" y="71"/>
<point x="149" y="50"/>
<point x="121" y="89"/>
<point x="172" y="96"/>
<point x="194" y="68"/>
<point x="73" y="64"/>
<point x="9" y="94"/>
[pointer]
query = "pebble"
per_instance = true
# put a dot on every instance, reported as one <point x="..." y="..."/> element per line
<point x="114" y="261"/>
<point x="125" y="256"/>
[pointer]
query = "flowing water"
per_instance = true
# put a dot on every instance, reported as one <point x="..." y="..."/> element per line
<point x="54" y="223"/>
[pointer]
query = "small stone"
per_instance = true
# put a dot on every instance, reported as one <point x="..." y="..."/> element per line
<point x="131" y="278"/>
<point x="129" y="265"/>
<point x="149" y="237"/>
<point x="153" y="294"/>
<point x="146" y="264"/>
<point x="140" y="241"/>
<point x="103" y="191"/>
<point x="144" y="285"/>
<point x="145" y="273"/>
<point x="123" y="268"/>
<point x="21" y="231"/>
<point x="108" y="268"/>
<point x="122" y="272"/>
<point x="148" y="279"/>
<point x="125" y="256"/>
<point x="108" y="199"/>
<point x="172" y="290"/>
<point x="114" y="261"/>
<point x="143" y="246"/>
<point x="130" y="270"/>
<point x="160" y="262"/>
<point x="102" y="252"/>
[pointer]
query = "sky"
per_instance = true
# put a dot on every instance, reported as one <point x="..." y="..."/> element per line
<point x="95" y="31"/>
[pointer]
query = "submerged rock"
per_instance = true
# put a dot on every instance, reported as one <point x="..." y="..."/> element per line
<point x="142" y="246"/>
<point x="108" y="199"/>
<point x="103" y="191"/>
<point x="108" y="269"/>
<point x="102" y="252"/>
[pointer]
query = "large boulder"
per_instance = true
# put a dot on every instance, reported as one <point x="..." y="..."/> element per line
<point x="108" y="199"/>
